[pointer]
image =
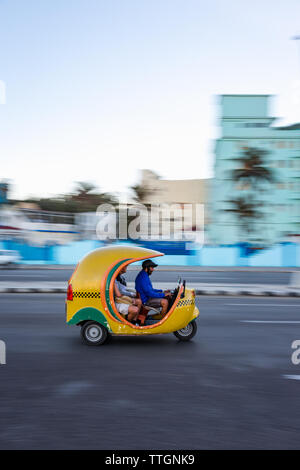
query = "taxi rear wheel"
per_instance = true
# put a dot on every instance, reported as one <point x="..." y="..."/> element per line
<point x="187" y="333"/>
<point x="93" y="333"/>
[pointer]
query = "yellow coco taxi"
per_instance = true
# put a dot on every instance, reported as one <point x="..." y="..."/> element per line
<point x="90" y="299"/>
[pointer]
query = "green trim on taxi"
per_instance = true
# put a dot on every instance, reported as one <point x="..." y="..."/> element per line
<point x="108" y="281"/>
<point x="89" y="313"/>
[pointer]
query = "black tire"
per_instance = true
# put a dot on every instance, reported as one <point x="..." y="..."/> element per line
<point x="93" y="333"/>
<point x="187" y="333"/>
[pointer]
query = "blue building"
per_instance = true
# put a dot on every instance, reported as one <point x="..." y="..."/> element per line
<point x="246" y="124"/>
<point x="3" y="192"/>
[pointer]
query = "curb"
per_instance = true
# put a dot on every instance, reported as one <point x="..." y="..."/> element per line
<point x="32" y="290"/>
<point x="199" y="292"/>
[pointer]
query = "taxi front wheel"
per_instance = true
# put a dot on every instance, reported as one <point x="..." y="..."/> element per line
<point x="93" y="333"/>
<point x="187" y="333"/>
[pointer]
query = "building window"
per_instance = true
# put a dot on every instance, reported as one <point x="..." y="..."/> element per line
<point x="255" y="124"/>
<point x="242" y="186"/>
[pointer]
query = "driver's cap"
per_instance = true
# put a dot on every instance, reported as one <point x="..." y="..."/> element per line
<point x="148" y="263"/>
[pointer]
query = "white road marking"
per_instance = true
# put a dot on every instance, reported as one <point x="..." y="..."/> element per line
<point x="267" y="305"/>
<point x="219" y="277"/>
<point x="269" y="321"/>
<point x="292" y="377"/>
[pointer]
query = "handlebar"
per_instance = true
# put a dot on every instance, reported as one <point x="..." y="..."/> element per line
<point x="175" y="292"/>
<point x="183" y="293"/>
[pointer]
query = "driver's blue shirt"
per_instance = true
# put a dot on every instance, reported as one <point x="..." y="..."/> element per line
<point x="144" y="287"/>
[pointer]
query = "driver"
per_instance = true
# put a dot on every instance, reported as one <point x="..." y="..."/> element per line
<point x="151" y="297"/>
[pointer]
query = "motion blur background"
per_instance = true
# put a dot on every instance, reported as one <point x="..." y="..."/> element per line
<point x="209" y="106"/>
<point x="152" y="102"/>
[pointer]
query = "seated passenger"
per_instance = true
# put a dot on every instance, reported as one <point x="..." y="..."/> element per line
<point x="122" y="285"/>
<point x="151" y="297"/>
<point x="125" y="300"/>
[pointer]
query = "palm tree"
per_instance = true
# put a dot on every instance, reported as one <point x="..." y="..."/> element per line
<point x="246" y="211"/>
<point x="87" y="198"/>
<point x="84" y="198"/>
<point x="141" y="193"/>
<point x="252" y="168"/>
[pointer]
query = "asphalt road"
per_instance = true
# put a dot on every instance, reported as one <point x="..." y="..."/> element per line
<point x="227" y="388"/>
<point x="226" y="277"/>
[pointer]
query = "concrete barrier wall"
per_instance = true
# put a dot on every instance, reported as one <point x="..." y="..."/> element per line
<point x="219" y="256"/>
<point x="283" y="255"/>
<point x="270" y="257"/>
<point x="71" y="254"/>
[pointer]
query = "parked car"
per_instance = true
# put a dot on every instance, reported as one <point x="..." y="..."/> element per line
<point x="9" y="257"/>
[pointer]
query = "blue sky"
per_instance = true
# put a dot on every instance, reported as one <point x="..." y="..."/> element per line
<point x="97" y="89"/>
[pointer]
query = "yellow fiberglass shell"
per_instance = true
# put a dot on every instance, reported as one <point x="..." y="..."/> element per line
<point x="92" y="284"/>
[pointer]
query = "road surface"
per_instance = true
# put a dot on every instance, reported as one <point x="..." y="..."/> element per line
<point x="217" y="277"/>
<point x="233" y="386"/>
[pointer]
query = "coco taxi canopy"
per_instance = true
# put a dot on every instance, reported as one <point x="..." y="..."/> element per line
<point x="90" y="298"/>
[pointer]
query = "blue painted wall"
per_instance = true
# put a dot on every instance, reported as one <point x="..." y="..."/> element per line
<point x="282" y="255"/>
<point x="219" y="256"/>
<point x="270" y="257"/>
<point x="71" y="254"/>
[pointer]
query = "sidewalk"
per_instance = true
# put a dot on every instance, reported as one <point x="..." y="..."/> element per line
<point x="201" y="288"/>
